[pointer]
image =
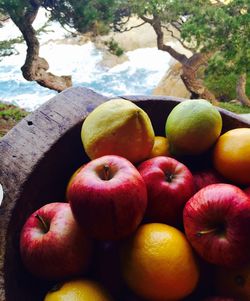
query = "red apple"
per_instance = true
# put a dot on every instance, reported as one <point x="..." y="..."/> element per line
<point x="169" y="185"/>
<point x="203" y="178"/>
<point x="52" y="245"/>
<point x="108" y="197"/>
<point x="217" y="222"/>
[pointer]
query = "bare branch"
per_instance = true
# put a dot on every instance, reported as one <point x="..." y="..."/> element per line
<point x="170" y="31"/>
<point x="147" y="20"/>
<point x="179" y="39"/>
<point x="124" y="22"/>
<point x="131" y="27"/>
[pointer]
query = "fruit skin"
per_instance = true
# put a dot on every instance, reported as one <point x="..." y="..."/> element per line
<point x="169" y="186"/>
<point x="217" y="222"/>
<point x="158" y="263"/>
<point x="111" y="208"/>
<point x="192" y="127"/>
<point x="231" y="156"/>
<point x="160" y="147"/>
<point x="118" y="127"/>
<point x="203" y="178"/>
<point x="78" y="290"/>
<point x="61" y="251"/>
<point x="233" y="282"/>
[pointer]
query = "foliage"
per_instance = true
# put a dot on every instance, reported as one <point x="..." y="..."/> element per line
<point x="221" y="28"/>
<point x="9" y="116"/>
<point x="8" y="48"/>
<point x="80" y="15"/>
<point x="235" y="108"/>
<point x="222" y="82"/>
<point x="15" y="8"/>
<point x="13" y="112"/>
<point x="114" y="47"/>
<point x="83" y="15"/>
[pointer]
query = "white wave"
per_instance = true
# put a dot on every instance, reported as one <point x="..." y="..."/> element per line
<point x="78" y="60"/>
<point x="9" y="31"/>
<point x="31" y="101"/>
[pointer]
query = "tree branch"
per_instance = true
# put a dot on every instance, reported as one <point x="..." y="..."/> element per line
<point x="130" y="28"/>
<point x="177" y="38"/>
<point x="147" y="20"/>
<point x="157" y="26"/>
<point x="35" y="68"/>
<point x="241" y="90"/>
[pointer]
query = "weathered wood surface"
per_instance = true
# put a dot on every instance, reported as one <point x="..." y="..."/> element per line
<point x="37" y="158"/>
<point x="21" y="150"/>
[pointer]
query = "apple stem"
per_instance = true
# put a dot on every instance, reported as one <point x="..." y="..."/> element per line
<point x="200" y="233"/>
<point x="106" y="170"/>
<point x="169" y="177"/>
<point x="43" y="223"/>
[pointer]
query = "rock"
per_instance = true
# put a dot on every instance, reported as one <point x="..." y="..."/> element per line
<point x="110" y="60"/>
<point x="139" y="37"/>
<point x="172" y="84"/>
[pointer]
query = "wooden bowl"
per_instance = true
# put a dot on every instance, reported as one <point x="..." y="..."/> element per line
<point x="38" y="156"/>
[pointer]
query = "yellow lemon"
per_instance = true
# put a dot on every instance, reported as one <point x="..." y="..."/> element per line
<point x="118" y="127"/>
<point x="78" y="290"/>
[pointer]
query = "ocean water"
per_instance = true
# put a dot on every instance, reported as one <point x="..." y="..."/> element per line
<point x="139" y="75"/>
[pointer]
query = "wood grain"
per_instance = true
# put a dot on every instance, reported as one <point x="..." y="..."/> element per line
<point x="28" y="161"/>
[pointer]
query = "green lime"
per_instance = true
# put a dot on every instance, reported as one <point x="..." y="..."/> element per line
<point x="192" y="127"/>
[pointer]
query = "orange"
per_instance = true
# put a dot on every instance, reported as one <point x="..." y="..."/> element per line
<point x="231" y="155"/>
<point x="158" y="263"/>
<point x="160" y="147"/>
<point x="234" y="282"/>
<point x="78" y="290"/>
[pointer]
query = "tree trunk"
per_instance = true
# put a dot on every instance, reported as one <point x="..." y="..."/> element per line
<point x="192" y="82"/>
<point x="190" y="66"/>
<point x="36" y="68"/>
<point x="241" y="90"/>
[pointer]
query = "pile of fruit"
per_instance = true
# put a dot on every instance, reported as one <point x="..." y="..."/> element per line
<point x="142" y="221"/>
